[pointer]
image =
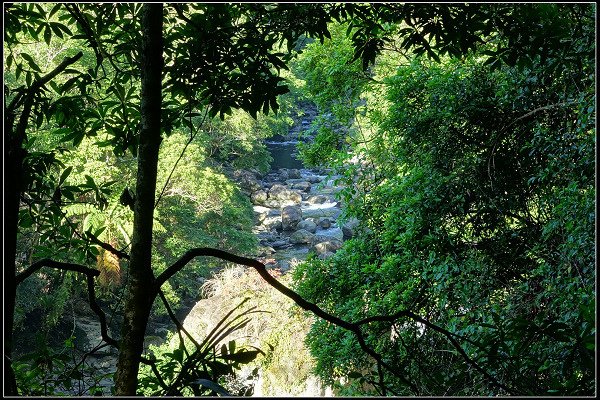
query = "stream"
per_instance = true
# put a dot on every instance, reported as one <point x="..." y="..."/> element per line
<point x="295" y="212"/>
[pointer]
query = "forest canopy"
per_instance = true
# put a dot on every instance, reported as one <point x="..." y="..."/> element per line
<point x="463" y="136"/>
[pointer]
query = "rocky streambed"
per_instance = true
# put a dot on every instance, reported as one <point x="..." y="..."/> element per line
<point x="295" y="212"/>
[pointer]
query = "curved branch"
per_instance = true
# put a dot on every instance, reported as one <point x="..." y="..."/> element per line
<point x="299" y="300"/>
<point x="90" y="274"/>
<point x="315" y="309"/>
<point x="56" y="265"/>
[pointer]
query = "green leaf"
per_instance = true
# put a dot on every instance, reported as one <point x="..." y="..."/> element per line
<point x="18" y="71"/>
<point x="243" y="357"/>
<point x="31" y="62"/>
<point x="64" y="175"/>
<point x="48" y="34"/>
<point x="54" y="10"/>
<point x="68" y="84"/>
<point x="89" y="182"/>
<point x="212" y="386"/>
<point x="56" y="29"/>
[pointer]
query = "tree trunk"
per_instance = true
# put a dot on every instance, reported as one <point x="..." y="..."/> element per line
<point x="13" y="163"/>
<point x="140" y="290"/>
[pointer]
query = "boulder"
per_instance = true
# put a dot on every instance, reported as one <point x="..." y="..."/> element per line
<point x="329" y="234"/>
<point x="314" y="179"/>
<point x="302" y="186"/>
<point x="329" y="212"/>
<point x="331" y="246"/>
<point x="301" y="236"/>
<point x="281" y="193"/>
<point x="349" y="228"/>
<point x="259" y="197"/>
<point x="324" y="223"/>
<point x="282" y="174"/>
<point x="272" y="223"/>
<point x="290" y="217"/>
<point x="247" y="180"/>
<point x="318" y="199"/>
<point x="294" y="174"/>
<point x="307" y="225"/>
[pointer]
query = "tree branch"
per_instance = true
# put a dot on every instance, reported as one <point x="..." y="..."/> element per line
<point x="90" y="274"/>
<point x="36" y="85"/>
<point x="308" y="306"/>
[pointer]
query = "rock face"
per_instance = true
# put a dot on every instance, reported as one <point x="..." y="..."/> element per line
<point x="291" y="217"/>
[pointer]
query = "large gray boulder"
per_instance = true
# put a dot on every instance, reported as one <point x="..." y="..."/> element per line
<point x="301" y="236"/>
<point x="281" y="193"/>
<point x="290" y="217"/>
<point x="307" y="225"/>
<point x="330" y="246"/>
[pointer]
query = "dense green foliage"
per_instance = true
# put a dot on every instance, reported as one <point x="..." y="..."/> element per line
<point x="475" y="192"/>
<point x="464" y="135"/>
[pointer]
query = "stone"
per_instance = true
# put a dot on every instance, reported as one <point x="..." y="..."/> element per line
<point x="301" y="236"/>
<point x="349" y="228"/>
<point x="307" y="225"/>
<point x="294" y="174"/>
<point x="318" y="199"/>
<point x="247" y="180"/>
<point x="272" y="223"/>
<point x="282" y="174"/>
<point x="324" y="223"/>
<point x="260" y="216"/>
<point x="332" y="246"/>
<point x="259" y="197"/>
<point x="329" y="212"/>
<point x="302" y="186"/>
<point x="278" y="244"/>
<point x="282" y="193"/>
<point x="329" y="234"/>
<point x="290" y="217"/>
